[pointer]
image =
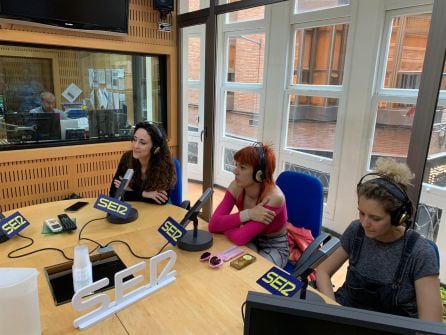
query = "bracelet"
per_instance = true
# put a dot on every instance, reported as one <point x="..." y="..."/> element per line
<point x="244" y="215"/>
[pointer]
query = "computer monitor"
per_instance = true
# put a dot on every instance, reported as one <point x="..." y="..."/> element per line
<point x="271" y="314"/>
<point x="106" y="122"/>
<point x="32" y="127"/>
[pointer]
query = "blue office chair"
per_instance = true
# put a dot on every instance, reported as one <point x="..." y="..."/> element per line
<point x="437" y="253"/>
<point x="176" y="193"/>
<point x="304" y="196"/>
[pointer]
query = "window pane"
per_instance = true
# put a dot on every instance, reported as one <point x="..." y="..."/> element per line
<point x="186" y="6"/>
<point x="406" y="51"/>
<point x="393" y="128"/>
<point x="242" y="115"/>
<point x="319" y="55"/>
<point x="427" y="222"/>
<point x="192" y="152"/>
<point x="246" y="58"/>
<point x="228" y="161"/>
<point x="322" y="176"/>
<point x="311" y="5"/>
<point x="192" y="109"/>
<point x="435" y="170"/>
<point x="88" y="96"/>
<point x="193" y="58"/>
<point x="255" y="13"/>
<point x="312" y="124"/>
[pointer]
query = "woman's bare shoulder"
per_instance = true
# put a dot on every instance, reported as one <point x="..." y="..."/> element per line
<point x="276" y="197"/>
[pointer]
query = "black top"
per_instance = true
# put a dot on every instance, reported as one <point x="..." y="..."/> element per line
<point x="136" y="193"/>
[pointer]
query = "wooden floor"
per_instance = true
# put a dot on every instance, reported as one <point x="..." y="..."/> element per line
<point x="195" y="190"/>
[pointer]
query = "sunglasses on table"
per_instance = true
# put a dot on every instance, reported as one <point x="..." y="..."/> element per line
<point x="216" y="261"/>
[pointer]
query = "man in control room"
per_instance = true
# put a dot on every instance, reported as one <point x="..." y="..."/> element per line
<point x="48" y="105"/>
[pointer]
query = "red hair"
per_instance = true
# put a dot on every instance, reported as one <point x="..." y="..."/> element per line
<point x="250" y="156"/>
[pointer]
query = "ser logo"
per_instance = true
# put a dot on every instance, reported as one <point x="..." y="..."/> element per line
<point x="112" y="206"/>
<point x="13" y="224"/>
<point x="172" y="231"/>
<point x="279" y="282"/>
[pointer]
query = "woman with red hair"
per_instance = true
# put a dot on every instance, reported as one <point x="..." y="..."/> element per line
<point x="260" y="222"/>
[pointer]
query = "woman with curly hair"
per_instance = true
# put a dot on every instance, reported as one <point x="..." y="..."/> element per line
<point x="391" y="268"/>
<point x="154" y="172"/>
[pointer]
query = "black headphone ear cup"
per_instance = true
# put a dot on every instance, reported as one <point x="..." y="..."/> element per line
<point x="400" y="216"/>
<point x="403" y="218"/>
<point x="258" y="176"/>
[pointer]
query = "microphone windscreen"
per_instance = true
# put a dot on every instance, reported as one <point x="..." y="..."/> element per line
<point x="124" y="183"/>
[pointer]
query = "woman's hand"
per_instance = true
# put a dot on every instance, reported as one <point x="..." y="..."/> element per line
<point x="262" y="214"/>
<point x="117" y="183"/>
<point x="159" y="197"/>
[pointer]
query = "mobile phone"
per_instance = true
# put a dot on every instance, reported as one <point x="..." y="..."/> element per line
<point x="76" y="206"/>
<point x="242" y="261"/>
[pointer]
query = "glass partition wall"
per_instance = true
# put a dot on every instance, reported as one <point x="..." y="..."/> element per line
<point x="55" y="96"/>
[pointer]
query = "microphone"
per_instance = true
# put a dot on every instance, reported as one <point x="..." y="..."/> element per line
<point x="318" y="250"/>
<point x="124" y="183"/>
<point x="133" y="214"/>
<point x="196" y="239"/>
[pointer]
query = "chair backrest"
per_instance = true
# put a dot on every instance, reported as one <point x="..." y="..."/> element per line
<point x="176" y="192"/>
<point x="437" y="253"/>
<point x="304" y="196"/>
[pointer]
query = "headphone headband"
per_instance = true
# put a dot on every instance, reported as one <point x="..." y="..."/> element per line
<point x="404" y="212"/>
<point x="259" y="173"/>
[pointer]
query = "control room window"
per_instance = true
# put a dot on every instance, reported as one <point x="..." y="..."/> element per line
<point x="60" y="96"/>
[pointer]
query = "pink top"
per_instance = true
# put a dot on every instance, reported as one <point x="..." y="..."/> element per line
<point x="222" y="221"/>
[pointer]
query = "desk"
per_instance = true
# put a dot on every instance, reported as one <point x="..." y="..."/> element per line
<point x="201" y="300"/>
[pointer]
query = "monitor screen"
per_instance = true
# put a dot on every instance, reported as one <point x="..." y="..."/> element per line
<point x="270" y="314"/>
<point x="102" y="15"/>
<point x="107" y="123"/>
<point x="32" y="127"/>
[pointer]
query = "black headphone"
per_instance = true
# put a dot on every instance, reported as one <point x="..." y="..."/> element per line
<point x="259" y="172"/>
<point x="404" y="212"/>
<point x="155" y="133"/>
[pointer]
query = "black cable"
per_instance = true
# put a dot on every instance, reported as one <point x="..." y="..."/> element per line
<point x="85" y="225"/>
<point x="243" y="311"/>
<point x="133" y="253"/>
<point x="99" y="245"/>
<point x="10" y="254"/>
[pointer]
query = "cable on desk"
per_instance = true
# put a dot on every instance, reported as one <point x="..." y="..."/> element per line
<point x="99" y="245"/>
<point x="243" y="311"/>
<point x="85" y="225"/>
<point x="133" y="253"/>
<point x="10" y="254"/>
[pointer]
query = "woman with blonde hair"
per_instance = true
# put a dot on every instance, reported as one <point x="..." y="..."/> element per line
<point x="392" y="269"/>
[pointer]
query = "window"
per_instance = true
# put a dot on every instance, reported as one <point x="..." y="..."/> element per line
<point x="303" y="6"/>
<point x="56" y="97"/>
<point x="398" y="87"/>
<point x="318" y="61"/>
<point x="245" y="54"/>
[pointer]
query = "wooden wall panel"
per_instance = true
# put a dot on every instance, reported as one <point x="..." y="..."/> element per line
<point x="34" y="176"/>
<point x="31" y="180"/>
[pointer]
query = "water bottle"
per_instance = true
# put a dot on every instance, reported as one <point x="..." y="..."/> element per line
<point x="82" y="268"/>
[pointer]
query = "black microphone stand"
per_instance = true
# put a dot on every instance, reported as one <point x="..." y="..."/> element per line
<point x="195" y="239"/>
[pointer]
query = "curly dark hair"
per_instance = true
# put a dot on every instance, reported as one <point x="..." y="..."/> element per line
<point x="160" y="173"/>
